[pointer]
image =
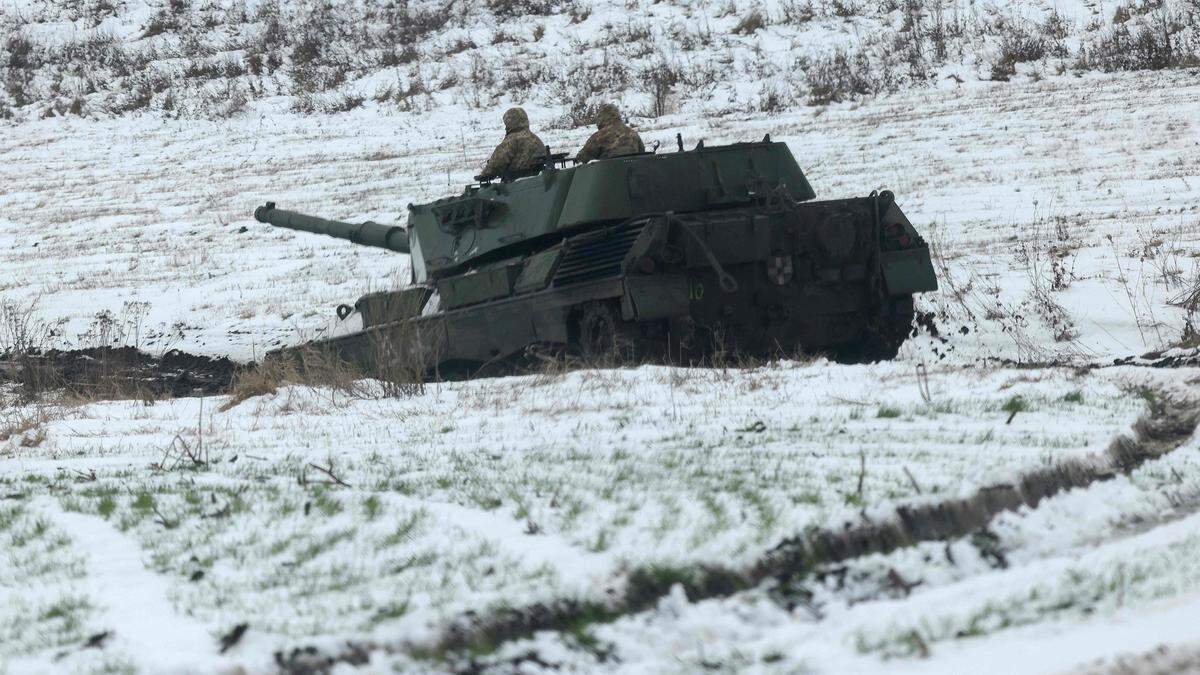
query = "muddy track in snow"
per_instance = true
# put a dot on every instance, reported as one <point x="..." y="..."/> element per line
<point x="117" y="372"/>
<point x="1166" y="426"/>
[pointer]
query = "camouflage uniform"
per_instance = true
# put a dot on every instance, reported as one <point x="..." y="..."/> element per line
<point x="519" y="151"/>
<point x="612" y="138"/>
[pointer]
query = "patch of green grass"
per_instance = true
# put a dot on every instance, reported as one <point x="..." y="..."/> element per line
<point x="319" y="545"/>
<point x="64" y="607"/>
<point x="1074" y="397"/>
<point x="143" y="502"/>
<point x="116" y="665"/>
<point x="106" y="506"/>
<point x="405" y="529"/>
<point x="601" y="542"/>
<point x="716" y="510"/>
<point x="372" y="507"/>
<point x="420" y="560"/>
<point x="102" y="489"/>
<point x="486" y="500"/>
<point x="885" y="412"/>
<point x="9" y="516"/>
<point x="279" y="546"/>
<point x="388" y="612"/>
<point x="768" y="516"/>
<point x="653" y="581"/>
<point x="327" y="503"/>
<point x="23" y="537"/>
<point x="1014" y="405"/>
<point x="1152" y="398"/>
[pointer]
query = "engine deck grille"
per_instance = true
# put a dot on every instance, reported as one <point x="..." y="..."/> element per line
<point x="596" y="255"/>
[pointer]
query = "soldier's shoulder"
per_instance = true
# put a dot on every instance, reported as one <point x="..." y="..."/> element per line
<point x="610" y="132"/>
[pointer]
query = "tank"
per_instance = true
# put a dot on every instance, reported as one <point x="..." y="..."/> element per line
<point x="676" y="256"/>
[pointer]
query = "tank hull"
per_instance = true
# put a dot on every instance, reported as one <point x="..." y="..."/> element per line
<point x="773" y="278"/>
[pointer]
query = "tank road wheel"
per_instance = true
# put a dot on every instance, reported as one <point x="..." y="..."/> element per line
<point x="887" y="328"/>
<point x="900" y="319"/>
<point x="602" y="337"/>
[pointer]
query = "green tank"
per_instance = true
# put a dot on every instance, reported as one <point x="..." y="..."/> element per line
<point x="675" y="256"/>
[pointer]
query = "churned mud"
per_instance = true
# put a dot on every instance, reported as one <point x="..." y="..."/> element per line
<point x="117" y="372"/>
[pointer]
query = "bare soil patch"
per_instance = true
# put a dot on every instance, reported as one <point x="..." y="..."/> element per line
<point x="116" y="372"/>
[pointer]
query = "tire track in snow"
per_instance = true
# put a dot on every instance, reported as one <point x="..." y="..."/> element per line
<point x="542" y="548"/>
<point x="133" y="600"/>
<point x="1058" y="645"/>
<point x="1167" y="426"/>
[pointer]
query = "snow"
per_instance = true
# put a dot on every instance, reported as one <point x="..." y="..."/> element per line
<point x="134" y="600"/>
<point x="1063" y="208"/>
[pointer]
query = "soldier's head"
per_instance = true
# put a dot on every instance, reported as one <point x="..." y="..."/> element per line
<point x="515" y="119"/>
<point x="607" y="115"/>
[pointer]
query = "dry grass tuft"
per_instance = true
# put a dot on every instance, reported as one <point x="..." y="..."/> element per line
<point x="386" y="370"/>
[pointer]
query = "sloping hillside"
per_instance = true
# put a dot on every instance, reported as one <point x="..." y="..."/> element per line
<point x="210" y="59"/>
<point x="968" y="507"/>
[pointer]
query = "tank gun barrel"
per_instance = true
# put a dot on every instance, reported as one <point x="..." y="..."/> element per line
<point x="391" y="237"/>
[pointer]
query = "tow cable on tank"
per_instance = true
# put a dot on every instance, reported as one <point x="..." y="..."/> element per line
<point x="727" y="282"/>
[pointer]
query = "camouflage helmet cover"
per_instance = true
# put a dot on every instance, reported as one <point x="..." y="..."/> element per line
<point x="607" y="115"/>
<point x="515" y="119"/>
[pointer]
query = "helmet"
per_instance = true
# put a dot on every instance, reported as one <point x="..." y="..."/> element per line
<point x="607" y="115"/>
<point x="515" y="119"/>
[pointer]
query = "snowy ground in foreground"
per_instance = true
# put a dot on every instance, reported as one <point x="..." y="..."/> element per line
<point x="516" y="490"/>
<point x="1066" y="208"/>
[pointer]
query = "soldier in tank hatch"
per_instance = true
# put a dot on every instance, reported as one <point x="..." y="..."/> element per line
<point x="521" y="149"/>
<point x="612" y="137"/>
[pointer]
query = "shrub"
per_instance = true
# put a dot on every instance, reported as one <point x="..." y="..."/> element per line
<point x="405" y="26"/>
<point x="750" y="24"/>
<point x="138" y="96"/>
<point x="579" y="113"/>
<point x="308" y="103"/>
<point x="773" y="99"/>
<point x="1019" y="44"/>
<point x="19" y="65"/>
<point x="163" y="21"/>
<point x="515" y="9"/>
<point x="796" y="12"/>
<point x="579" y="12"/>
<point x="18" y="53"/>
<point x="395" y="57"/>
<point x="1158" y="44"/>
<point x="660" y="80"/>
<point x="227" y="101"/>
<point x="840" y="76"/>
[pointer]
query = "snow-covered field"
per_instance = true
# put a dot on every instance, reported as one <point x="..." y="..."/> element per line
<point x="1065" y="211"/>
<point x="522" y="490"/>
